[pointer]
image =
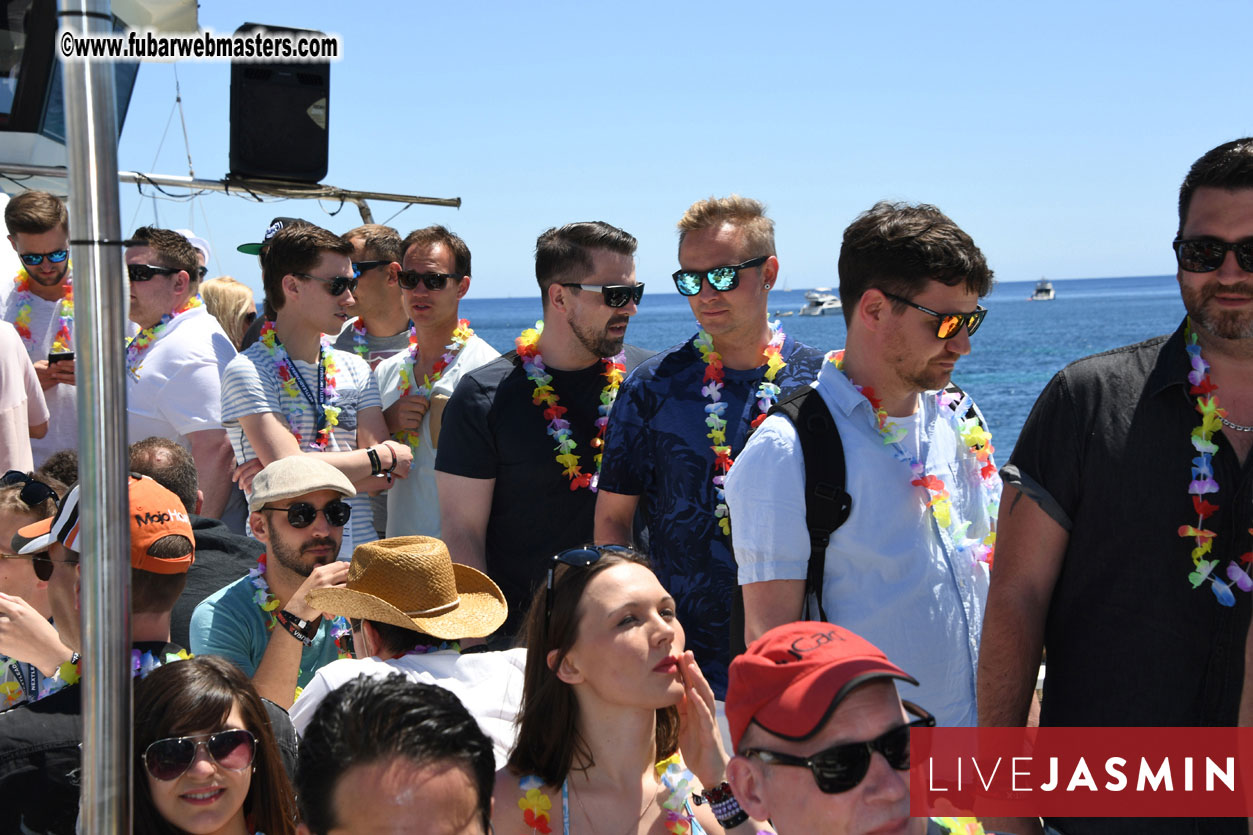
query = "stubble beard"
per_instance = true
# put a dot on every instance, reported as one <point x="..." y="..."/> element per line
<point x="601" y="344"/>
<point x="293" y="559"/>
<point x="1223" y="324"/>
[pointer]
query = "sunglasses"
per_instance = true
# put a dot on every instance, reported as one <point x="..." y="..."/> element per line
<point x="576" y="558"/>
<point x="145" y="272"/>
<point x="615" y="295"/>
<point x="842" y="767"/>
<point x="360" y="267"/>
<point x="34" y="492"/>
<point x="721" y="279"/>
<point x="303" y="514"/>
<point x="336" y="284"/>
<point x="202" y="272"/>
<point x="168" y="759"/>
<point x="949" y="323"/>
<point x="434" y="281"/>
<point x="34" y="259"/>
<point x="1205" y="256"/>
<point x="42" y="563"/>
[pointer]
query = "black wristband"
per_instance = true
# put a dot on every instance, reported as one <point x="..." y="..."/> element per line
<point x="302" y="630"/>
<point x="376" y="465"/>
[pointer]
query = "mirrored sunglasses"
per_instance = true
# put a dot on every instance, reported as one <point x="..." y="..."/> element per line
<point x="1203" y="255"/>
<point x="359" y="267"/>
<point x="168" y="759"/>
<point x="303" y="514"/>
<point x="615" y="295"/>
<point x="409" y="279"/>
<point x="721" y="279"/>
<point x="34" y="259"/>
<point x="335" y="285"/>
<point x="948" y="324"/>
<point x="842" y="767"/>
<point x="145" y="272"/>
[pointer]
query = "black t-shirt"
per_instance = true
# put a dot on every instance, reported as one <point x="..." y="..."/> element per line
<point x="492" y="429"/>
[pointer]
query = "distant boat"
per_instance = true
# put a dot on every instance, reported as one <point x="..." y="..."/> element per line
<point x="821" y="301"/>
<point x="1043" y="291"/>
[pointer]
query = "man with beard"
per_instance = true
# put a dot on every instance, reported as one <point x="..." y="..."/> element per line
<point x="39" y="302"/>
<point x="1124" y="532"/>
<point x="262" y="621"/>
<point x="683" y="418"/>
<point x="519" y="452"/>
<point x="908" y="569"/>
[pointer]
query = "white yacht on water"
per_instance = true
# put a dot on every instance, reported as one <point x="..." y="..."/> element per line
<point x="1043" y="291"/>
<point x="821" y="301"/>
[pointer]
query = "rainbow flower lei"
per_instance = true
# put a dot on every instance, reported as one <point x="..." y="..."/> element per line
<point x="767" y="394"/>
<point x="359" y="343"/>
<point x="977" y="440"/>
<point x="460" y="336"/>
<point x="138" y="344"/>
<point x="558" y="426"/>
<point x="64" y="338"/>
<point x="287" y="376"/>
<point x="1203" y="482"/>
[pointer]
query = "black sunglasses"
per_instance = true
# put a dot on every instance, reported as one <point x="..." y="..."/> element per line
<point x="615" y="295"/>
<point x="202" y="272"/>
<point x="359" y="267"/>
<point x="434" y="281"/>
<point x="34" y="492"/>
<point x="34" y="259"/>
<point x="336" y="284"/>
<point x="145" y="272"/>
<point x="721" y="279"/>
<point x="168" y="759"/>
<point x="949" y="323"/>
<point x="842" y="767"/>
<point x="577" y="558"/>
<point x="303" y="514"/>
<point x="1206" y="255"/>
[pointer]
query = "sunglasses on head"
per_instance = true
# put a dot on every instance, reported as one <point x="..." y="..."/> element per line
<point x="336" y="284"/>
<point x="434" y="281"/>
<point x="34" y="259"/>
<point x="576" y="558"/>
<point x="303" y="514"/>
<point x="949" y="323"/>
<point x="359" y="267"/>
<point x="721" y="279"/>
<point x="145" y="272"/>
<point x="34" y="492"/>
<point x="615" y="295"/>
<point x="1205" y="255"/>
<point x="842" y="767"/>
<point x="168" y="759"/>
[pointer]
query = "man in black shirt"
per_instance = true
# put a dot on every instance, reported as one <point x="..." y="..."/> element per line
<point x="519" y="451"/>
<point x="1124" y="559"/>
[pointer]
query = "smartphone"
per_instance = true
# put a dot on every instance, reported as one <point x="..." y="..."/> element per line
<point x="60" y="356"/>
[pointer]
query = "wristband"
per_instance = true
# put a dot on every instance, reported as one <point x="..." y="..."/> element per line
<point x="722" y="802"/>
<point x="376" y="465"/>
<point x="302" y="630"/>
<point x="395" y="460"/>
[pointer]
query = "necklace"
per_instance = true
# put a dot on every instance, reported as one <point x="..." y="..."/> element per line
<point x="460" y="336"/>
<point x="1239" y="427"/>
<point x="136" y="347"/>
<point x="978" y="442"/>
<point x="64" y="339"/>
<point x="1203" y="483"/>
<point x="322" y="400"/>
<point x="559" y="427"/>
<point x="767" y="394"/>
<point x="359" y="343"/>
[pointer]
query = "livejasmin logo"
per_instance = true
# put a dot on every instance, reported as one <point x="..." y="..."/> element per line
<point x="1022" y="775"/>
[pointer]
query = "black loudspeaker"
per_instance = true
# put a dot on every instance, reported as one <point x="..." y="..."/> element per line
<point x="279" y="116"/>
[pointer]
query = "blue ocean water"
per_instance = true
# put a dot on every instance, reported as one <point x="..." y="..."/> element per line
<point x="1021" y="345"/>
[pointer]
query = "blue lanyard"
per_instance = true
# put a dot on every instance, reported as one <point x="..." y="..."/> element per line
<point x="319" y="414"/>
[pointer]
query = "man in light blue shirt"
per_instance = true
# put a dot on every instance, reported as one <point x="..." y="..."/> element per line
<point x="909" y="568"/>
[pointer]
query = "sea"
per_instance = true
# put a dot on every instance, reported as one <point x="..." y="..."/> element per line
<point x="1020" y="346"/>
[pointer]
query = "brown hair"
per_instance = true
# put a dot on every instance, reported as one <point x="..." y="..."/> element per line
<point x="379" y="242"/>
<point x="35" y="212"/>
<point x="549" y="743"/>
<point x="11" y="501"/>
<point x="431" y="235"/>
<point x="565" y="253"/>
<point x="295" y="249"/>
<point x="230" y="301"/>
<point x="197" y="695"/>
<point x="171" y="248"/>
<point x="156" y="594"/>
<point x="744" y="213"/>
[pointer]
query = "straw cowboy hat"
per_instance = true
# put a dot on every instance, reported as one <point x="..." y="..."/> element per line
<point x="410" y="581"/>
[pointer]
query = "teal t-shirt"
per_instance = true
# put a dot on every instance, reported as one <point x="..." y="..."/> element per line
<point x="229" y="623"/>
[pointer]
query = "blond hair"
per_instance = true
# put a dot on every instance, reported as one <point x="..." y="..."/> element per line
<point x="744" y="213"/>
<point x="230" y="302"/>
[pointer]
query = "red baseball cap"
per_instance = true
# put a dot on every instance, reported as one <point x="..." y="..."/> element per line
<point x="791" y="679"/>
<point x="155" y="513"/>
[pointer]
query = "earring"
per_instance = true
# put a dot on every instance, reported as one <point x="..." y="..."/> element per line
<point x="766" y="285"/>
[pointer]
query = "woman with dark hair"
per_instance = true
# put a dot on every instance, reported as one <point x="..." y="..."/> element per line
<point x="206" y="760"/>
<point x="609" y="701"/>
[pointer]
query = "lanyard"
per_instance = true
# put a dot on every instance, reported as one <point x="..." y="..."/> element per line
<point x="319" y="414"/>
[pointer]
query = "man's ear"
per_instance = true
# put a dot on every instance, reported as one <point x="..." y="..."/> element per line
<point x="260" y="530"/>
<point x="748" y="782"/>
<point x="872" y="308"/>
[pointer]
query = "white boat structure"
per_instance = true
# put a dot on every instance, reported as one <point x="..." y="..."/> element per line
<point x="821" y="301"/>
<point x="1043" y="291"/>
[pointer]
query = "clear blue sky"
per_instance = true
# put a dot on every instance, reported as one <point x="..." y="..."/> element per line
<point x="1056" y="134"/>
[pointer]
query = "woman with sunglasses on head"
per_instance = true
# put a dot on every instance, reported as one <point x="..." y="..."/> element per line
<point x="205" y="758"/>
<point x="614" y="712"/>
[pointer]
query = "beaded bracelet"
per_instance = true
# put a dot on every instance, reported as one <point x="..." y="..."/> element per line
<point x="722" y="802"/>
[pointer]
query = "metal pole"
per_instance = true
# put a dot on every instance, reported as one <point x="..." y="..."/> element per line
<point x="99" y="331"/>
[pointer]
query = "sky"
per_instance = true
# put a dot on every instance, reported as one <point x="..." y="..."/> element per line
<point x="1055" y="134"/>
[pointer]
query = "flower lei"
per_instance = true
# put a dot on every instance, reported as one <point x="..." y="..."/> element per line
<point x="767" y="394"/>
<point x="145" y="662"/>
<point x="63" y="340"/>
<point x="291" y="386"/>
<point x="977" y="440"/>
<point x="140" y="342"/>
<point x="558" y="427"/>
<point x="1203" y="482"/>
<point x="359" y="343"/>
<point x="961" y="826"/>
<point x="460" y="336"/>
